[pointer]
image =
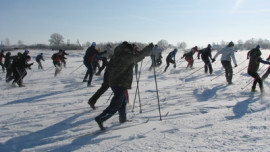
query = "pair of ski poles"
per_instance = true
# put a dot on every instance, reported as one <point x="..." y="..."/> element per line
<point x="138" y="92"/>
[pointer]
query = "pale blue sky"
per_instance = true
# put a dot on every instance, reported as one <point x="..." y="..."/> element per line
<point x="197" y="22"/>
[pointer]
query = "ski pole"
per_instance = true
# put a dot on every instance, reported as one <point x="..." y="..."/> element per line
<point x="138" y="90"/>
<point x="109" y="97"/>
<point x="76" y="69"/>
<point x="240" y="70"/>
<point x="157" y="91"/>
<point x="194" y="72"/>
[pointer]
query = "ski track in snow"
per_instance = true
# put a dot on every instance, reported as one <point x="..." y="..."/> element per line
<point x="52" y="114"/>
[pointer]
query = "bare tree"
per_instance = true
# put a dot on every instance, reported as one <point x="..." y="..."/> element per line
<point x="7" y="42"/>
<point x="163" y="44"/>
<point x="20" y="44"/>
<point x="182" y="45"/>
<point x="56" y="39"/>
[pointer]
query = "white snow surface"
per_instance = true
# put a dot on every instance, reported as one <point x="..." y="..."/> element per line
<point x="199" y="112"/>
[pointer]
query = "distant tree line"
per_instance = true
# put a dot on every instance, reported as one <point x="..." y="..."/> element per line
<point x="57" y="42"/>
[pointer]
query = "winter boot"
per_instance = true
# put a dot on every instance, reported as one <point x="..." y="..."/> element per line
<point x="92" y="105"/>
<point x="100" y="123"/>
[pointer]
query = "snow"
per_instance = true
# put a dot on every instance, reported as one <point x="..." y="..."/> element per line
<point x="200" y="112"/>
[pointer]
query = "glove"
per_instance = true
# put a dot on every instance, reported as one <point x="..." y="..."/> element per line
<point x="31" y="64"/>
<point x="182" y="57"/>
<point x="213" y="60"/>
<point x="235" y="65"/>
<point x="174" y="66"/>
<point x="198" y="58"/>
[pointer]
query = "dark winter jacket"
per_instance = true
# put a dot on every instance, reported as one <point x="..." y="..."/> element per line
<point x="205" y="54"/>
<point x="56" y="57"/>
<point x="255" y="60"/>
<point x="121" y="72"/>
<point x="39" y="57"/>
<point x="1" y="57"/>
<point x="171" y="56"/>
<point x="63" y="55"/>
<point x="92" y="55"/>
<point x="8" y="60"/>
<point x="21" y="63"/>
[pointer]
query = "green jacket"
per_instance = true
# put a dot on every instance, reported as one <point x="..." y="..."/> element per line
<point x="121" y="68"/>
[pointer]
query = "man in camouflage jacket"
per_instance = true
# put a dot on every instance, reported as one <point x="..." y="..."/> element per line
<point x="120" y="79"/>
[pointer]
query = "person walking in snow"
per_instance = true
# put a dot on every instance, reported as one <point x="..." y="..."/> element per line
<point x="38" y="59"/>
<point x="156" y="53"/>
<point x="171" y="59"/>
<point x="63" y="58"/>
<point x="56" y="57"/>
<point x="227" y="53"/>
<point x="20" y="68"/>
<point x="253" y="66"/>
<point x="120" y="79"/>
<point x="265" y="75"/>
<point x="1" y="60"/>
<point x="205" y="55"/>
<point x="105" y="57"/>
<point x="8" y="65"/>
<point x="189" y="57"/>
<point x="89" y="58"/>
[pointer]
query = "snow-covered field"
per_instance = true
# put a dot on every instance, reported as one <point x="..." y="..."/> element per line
<point x="52" y="114"/>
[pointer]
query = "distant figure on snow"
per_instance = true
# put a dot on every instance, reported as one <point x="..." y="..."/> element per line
<point x="63" y="58"/>
<point x="56" y="57"/>
<point x="189" y="57"/>
<point x="205" y="55"/>
<point x="38" y="59"/>
<point x="171" y="59"/>
<point x="156" y="56"/>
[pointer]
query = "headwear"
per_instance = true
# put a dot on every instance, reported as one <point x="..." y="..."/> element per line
<point x="209" y="46"/>
<point x="175" y="50"/>
<point x="258" y="47"/>
<point x="26" y="51"/>
<point x="231" y="44"/>
<point x="94" y="44"/>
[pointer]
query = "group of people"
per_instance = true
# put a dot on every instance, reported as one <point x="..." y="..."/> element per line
<point x="227" y="54"/>
<point x="119" y="64"/>
<point x="16" y="66"/>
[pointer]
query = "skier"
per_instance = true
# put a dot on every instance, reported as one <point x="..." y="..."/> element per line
<point x="205" y="55"/>
<point x="171" y="59"/>
<point x="20" y="66"/>
<point x="265" y="75"/>
<point x="227" y="53"/>
<point x="8" y="65"/>
<point x="38" y="59"/>
<point x="90" y="56"/>
<point x="253" y="66"/>
<point x="105" y="57"/>
<point x="63" y="58"/>
<point x="120" y="79"/>
<point x="159" y="59"/>
<point x="56" y="57"/>
<point x="156" y="53"/>
<point x="1" y="60"/>
<point x="189" y="56"/>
